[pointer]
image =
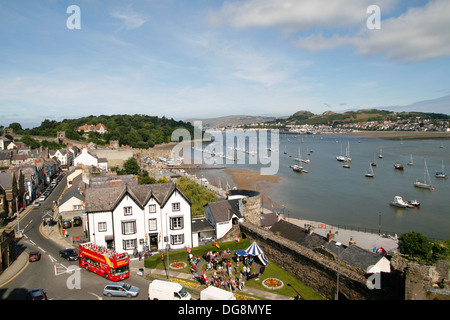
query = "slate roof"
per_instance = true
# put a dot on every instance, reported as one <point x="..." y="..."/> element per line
<point x="352" y="255"/>
<point x="106" y="199"/>
<point x="358" y="257"/>
<point x="72" y="192"/>
<point x="223" y="210"/>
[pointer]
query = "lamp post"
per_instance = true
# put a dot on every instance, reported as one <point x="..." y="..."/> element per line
<point x="338" y="245"/>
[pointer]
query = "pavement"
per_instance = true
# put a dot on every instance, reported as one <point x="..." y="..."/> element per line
<point x="364" y="240"/>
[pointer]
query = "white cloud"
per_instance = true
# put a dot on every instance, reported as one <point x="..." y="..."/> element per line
<point x="420" y="33"/>
<point x="295" y="15"/>
<point x="130" y="19"/>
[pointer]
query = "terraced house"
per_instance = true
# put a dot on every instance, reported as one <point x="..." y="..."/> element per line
<point x="151" y="217"/>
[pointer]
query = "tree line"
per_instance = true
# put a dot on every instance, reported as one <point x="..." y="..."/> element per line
<point x="137" y="131"/>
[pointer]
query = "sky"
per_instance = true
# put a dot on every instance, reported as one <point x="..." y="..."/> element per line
<point x="209" y="58"/>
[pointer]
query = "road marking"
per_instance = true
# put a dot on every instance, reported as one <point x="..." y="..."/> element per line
<point x="51" y="258"/>
<point x="98" y="297"/>
<point x="41" y="249"/>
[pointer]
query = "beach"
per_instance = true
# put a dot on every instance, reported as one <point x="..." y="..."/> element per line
<point x="253" y="180"/>
<point x="397" y="135"/>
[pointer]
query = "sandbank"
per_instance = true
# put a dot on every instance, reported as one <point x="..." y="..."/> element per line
<point x="253" y="180"/>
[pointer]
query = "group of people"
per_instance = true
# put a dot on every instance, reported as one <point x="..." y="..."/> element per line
<point x="224" y="275"/>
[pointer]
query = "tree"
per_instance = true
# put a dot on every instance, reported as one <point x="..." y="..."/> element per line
<point x="131" y="166"/>
<point x="415" y="244"/>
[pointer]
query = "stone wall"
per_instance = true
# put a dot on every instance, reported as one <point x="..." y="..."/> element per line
<point x="318" y="270"/>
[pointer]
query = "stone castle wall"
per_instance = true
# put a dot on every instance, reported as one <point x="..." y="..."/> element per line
<point x="318" y="270"/>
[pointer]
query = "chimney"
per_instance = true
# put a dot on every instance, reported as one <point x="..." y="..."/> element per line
<point x="330" y="236"/>
<point x="351" y="242"/>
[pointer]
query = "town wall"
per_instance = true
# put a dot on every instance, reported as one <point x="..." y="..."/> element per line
<point x="318" y="269"/>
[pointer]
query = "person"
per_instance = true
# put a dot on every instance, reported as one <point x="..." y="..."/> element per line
<point x="244" y="271"/>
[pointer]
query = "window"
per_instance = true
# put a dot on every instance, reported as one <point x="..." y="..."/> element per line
<point x="77" y="207"/>
<point x="152" y="208"/>
<point x="152" y="224"/>
<point x="176" y="206"/>
<point x="129" y="244"/>
<point x="128" y="227"/>
<point x="102" y="226"/>
<point x="177" y="239"/>
<point x="127" y="211"/>
<point x="176" y="223"/>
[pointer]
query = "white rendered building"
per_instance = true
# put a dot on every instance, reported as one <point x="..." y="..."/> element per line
<point x="143" y="217"/>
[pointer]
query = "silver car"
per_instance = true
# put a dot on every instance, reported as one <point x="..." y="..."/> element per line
<point x="120" y="289"/>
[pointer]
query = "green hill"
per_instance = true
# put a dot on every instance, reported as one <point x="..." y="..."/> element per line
<point x="331" y="118"/>
<point x="138" y="131"/>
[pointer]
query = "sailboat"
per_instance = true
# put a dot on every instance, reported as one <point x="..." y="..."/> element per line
<point x="441" y="174"/>
<point x="347" y="157"/>
<point x="426" y="182"/>
<point x="373" y="163"/>
<point x="411" y="162"/>
<point x="369" y="173"/>
<point x="340" y="157"/>
<point x="381" y="153"/>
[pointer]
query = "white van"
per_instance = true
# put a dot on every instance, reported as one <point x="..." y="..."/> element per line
<point x="166" y="290"/>
<point x="213" y="293"/>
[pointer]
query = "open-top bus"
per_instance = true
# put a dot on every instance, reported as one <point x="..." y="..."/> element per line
<point x="105" y="262"/>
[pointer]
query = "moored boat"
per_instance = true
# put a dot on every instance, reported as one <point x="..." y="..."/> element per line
<point x="399" y="202"/>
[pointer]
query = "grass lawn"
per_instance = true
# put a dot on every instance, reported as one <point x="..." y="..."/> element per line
<point x="291" y="286"/>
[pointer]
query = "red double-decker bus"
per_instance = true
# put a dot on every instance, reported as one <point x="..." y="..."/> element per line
<point x="105" y="262"/>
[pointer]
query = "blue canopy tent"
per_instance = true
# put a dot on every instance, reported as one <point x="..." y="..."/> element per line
<point x="253" y="250"/>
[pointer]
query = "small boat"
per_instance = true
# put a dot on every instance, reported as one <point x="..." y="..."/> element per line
<point x="399" y="202"/>
<point x="347" y="166"/>
<point x="299" y="169"/>
<point x="381" y="153"/>
<point x="413" y="203"/>
<point x="441" y="174"/>
<point x="369" y="173"/>
<point x="399" y="166"/>
<point x="426" y="182"/>
<point x="411" y="162"/>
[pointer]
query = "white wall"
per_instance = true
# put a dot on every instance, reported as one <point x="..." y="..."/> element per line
<point x="96" y="236"/>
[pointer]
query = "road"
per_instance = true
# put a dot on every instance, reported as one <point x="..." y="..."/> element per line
<point x="61" y="279"/>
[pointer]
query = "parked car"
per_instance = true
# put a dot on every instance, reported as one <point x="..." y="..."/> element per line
<point x="77" y="221"/>
<point x="43" y="197"/>
<point x="36" y="294"/>
<point x="34" y="256"/>
<point x="68" y="254"/>
<point x="36" y="204"/>
<point x="120" y="289"/>
<point x="66" y="224"/>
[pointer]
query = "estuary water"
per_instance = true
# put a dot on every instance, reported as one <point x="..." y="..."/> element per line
<point x="335" y="195"/>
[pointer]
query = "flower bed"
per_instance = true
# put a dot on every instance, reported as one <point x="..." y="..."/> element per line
<point x="178" y="265"/>
<point x="273" y="283"/>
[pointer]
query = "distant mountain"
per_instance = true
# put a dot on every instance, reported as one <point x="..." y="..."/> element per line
<point x="438" y="105"/>
<point x="228" y="121"/>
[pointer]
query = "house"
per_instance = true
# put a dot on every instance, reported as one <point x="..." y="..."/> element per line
<point x="16" y="145"/>
<point x="223" y="214"/>
<point x="5" y="158"/>
<point x="7" y="196"/>
<point x="86" y="158"/>
<point x="100" y="128"/>
<point x="72" y="200"/>
<point x="153" y="217"/>
<point x="64" y="156"/>
<point x="4" y="142"/>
